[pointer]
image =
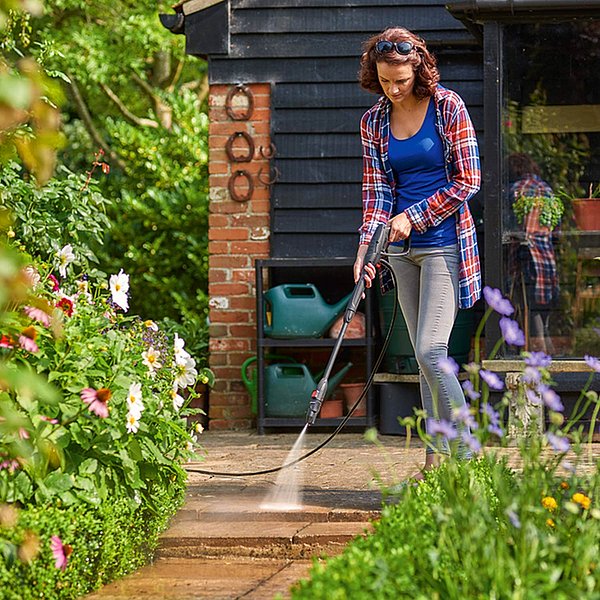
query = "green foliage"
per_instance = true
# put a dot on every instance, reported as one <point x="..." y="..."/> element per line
<point x="107" y="542"/>
<point x="473" y="530"/>
<point x="550" y="209"/>
<point x="68" y="209"/>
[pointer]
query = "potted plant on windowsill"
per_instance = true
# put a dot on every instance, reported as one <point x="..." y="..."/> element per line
<point x="586" y="211"/>
<point x="538" y="212"/>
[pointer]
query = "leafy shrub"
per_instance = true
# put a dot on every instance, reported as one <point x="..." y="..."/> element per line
<point x="473" y="530"/>
<point x="68" y="209"/>
<point x="107" y="542"/>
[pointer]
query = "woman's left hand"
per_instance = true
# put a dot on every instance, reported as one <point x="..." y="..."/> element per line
<point x="400" y="228"/>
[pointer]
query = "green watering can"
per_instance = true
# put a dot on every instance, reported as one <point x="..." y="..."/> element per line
<point x="289" y="387"/>
<point x="294" y="310"/>
<point x="249" y="375"/>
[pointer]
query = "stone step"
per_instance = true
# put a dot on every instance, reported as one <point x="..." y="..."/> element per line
<point x="252" y="510"/>
<point x="258" y="538"/>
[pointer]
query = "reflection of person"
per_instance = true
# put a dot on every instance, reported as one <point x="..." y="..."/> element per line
<point x="420" y="166"/>
<point x="534" y="258"/>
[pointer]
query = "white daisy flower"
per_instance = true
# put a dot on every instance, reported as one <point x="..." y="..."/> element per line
<point x="133" y="422"/>
<point x="186" y="373"/>
<point x="150" y="359"/>
<point x="135" y="404"/>
<point x="65" y="258"/>
<point x="181" y="355"/>
<point x="119" y="286"/>
<point x="177" y="399"/>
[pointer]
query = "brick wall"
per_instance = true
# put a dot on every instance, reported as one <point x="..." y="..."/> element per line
<point x="238" y="234"/>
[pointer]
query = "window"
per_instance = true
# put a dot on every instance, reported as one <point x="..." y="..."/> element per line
<point x="551" y="184"/>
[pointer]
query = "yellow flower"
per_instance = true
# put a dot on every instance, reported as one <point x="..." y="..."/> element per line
<point x="582" y="500"/>
<point x="549" y="503"/>
<point x="550" y="523"/>
<point x="564" y="485"/>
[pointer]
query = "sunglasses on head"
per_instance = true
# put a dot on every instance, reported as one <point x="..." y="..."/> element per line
<point x="385" y="47"/>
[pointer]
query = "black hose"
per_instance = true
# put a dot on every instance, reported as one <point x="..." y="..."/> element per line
<point x="367" y="387"/>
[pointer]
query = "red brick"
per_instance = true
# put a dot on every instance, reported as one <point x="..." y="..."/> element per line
<point x="222" y="316"/>
<point x="250" y="247"/>
<point x="242" y="275"/>
<point x="215" y="220"/>
<point x="229" y="261"/>
<point x="219" y="247"/>
<point x="237" y="359"/>
<point x="228" y="345"/>
<point x="251" y="220"/>
<point x="245" y="302"/>
<point x="227" y="289"/>
<point x="260" y="205"/>
<point x="228" y="207"/>
<point x="220" y="275"/>
<point x="218" y="358"/>
<point x="227" y="372"/>
<point x="236" y="412"/>
<point x="243" y="331"/>
<point x="228" y="233"/>
<point x="218" y="168"/>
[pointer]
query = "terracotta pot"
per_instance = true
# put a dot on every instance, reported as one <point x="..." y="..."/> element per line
<point x="587" y="213"/>
<point x="351" y="393"/>
<point x="332" y="408"/>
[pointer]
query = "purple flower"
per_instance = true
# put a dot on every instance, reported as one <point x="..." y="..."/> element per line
<point x="494" y="382"/>
<point x="533" y="396"/>
<point x="494" y="298"/>
<point x="531" y="376"/>
<point x="470" y="392"/>
<point x="560" y="444"/>
<point x="496" y="430"/>
<point x="448" y="365"/>
<point x="537" y="359"/>
<point x="441" y="427"/>
<point x="511" y="332"/>
<point x="593" y="362"/>
<point x="551" y="398"/>
<point x="471" y="442"/>
<point x="463" y="415"/>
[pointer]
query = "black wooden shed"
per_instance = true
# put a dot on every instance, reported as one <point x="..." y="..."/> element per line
<point x="498" y="54"/>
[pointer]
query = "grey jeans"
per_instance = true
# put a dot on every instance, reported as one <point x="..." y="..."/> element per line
<point x="427" y="291"/>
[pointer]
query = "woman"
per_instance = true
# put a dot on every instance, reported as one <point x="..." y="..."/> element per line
<point x="420" y="167"/>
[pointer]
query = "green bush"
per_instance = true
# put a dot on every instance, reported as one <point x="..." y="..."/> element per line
<point x="473" y="530"/>
<point x="107" y="541"/>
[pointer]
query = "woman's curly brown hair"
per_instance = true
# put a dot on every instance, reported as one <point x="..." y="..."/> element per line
<point x="422" y="61"/>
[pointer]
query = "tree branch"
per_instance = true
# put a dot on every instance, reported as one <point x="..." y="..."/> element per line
<point x="139" y="121"/>
<point x="84" y="115"/>
<point x="163" y="112"/>
<point x="176" y="76"/>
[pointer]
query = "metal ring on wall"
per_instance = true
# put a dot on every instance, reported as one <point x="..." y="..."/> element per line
<point x="269" y="152"/>
<point x="246" y="91"/>
<point x="249" y="142"/>
<point x="268" y="180"/>
<point x="231" y="186"/>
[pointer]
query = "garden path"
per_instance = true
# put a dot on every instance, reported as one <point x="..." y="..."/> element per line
<point x="223" y="545"/>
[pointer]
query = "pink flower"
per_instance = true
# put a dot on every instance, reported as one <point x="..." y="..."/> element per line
<point x="27" y="339"/>
<point x="23" y="433"/>
<point x="54" y="281"/>
<point x="38" y="314"/>
<point x="60" y="551"/>
<point x="98" y="400"/>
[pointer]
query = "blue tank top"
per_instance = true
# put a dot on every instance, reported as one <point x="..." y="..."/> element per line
<point x="418" y="165"/>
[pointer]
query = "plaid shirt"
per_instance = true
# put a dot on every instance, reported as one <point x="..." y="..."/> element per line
<point x="538" y="239"/>
<point x="462" y="171"/>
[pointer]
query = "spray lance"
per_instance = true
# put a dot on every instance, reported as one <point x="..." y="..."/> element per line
<point x="376" y="248"/>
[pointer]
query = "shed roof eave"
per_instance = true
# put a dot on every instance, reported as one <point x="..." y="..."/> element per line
<point x="478" y="11"/>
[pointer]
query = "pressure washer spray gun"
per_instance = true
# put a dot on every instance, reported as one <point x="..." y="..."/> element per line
<point x="377" y="247"/>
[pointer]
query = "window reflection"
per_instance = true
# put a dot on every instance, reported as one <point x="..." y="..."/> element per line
<point x="551" y="184"/>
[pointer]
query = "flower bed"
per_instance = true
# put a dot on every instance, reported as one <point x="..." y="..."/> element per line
<point x="477" y="528"/>
<point x="93" y="428"/>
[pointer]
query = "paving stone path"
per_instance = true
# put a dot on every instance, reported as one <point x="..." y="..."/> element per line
<point x="223" y="545"/>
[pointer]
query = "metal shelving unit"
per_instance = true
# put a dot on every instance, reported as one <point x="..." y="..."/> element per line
<point x="263" y="343"/>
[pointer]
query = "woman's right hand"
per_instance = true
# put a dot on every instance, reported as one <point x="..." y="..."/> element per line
<point x="369" y="271"/>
